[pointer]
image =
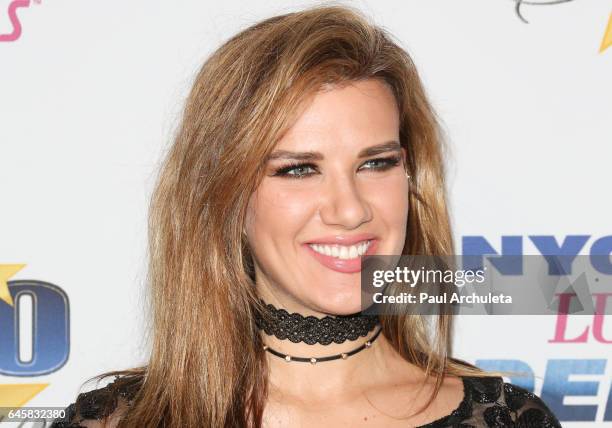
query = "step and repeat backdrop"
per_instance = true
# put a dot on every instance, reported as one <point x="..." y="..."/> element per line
<point x="91" y="94"/>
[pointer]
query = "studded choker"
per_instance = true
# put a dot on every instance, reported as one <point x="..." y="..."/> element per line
<point x="311" y="330"/>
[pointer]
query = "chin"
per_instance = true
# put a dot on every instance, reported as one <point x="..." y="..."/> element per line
<point x="339" y="303"/>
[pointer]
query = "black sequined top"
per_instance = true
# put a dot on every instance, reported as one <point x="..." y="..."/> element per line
<point x="487" y="402"/>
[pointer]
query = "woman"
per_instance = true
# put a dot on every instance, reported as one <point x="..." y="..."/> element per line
<point x="307" y="141"/>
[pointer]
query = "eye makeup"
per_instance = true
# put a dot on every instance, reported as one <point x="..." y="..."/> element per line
<point x="288" y="171"/>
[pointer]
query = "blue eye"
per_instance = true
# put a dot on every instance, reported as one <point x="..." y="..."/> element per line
<point x="384" y="163"/>
<point x="290" y="170"/>
<point x="299" y="170"/>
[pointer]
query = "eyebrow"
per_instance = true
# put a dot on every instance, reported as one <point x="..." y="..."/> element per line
<point x="389" y="146"/>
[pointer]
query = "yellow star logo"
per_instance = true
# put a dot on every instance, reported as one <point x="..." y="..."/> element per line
<point x="18" y="394"/>
<point x="6" y="272"/>
<point x="607" y="38"/>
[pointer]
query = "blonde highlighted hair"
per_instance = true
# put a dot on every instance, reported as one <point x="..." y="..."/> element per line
<point x="207" y="366"/>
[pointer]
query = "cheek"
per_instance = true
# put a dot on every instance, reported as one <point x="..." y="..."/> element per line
<point x="278" y="214"/>
<point x="390" y="207"/>
<point x="390" y="200"/>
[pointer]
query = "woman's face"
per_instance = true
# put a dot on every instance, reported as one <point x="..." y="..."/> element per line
<point x="334" y="187"/>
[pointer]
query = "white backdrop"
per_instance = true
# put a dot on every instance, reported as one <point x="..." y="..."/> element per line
<point x="90" y="95"/>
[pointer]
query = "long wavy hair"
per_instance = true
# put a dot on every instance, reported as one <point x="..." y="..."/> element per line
<point x="207" y="366"/>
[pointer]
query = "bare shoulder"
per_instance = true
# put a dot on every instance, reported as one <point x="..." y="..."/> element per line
<point x="101" y="407"/>
<point x="453" y="386"/>
<point x="450" y="396"/>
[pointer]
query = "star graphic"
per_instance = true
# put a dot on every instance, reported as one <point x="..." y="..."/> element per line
<point x="607" y="38"/>
<point x="6" y="272"/>
<point x="16" y="395"/>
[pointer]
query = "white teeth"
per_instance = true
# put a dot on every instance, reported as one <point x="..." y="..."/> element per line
<point x="342" y="251"/>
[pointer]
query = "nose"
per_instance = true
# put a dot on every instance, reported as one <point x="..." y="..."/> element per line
<point x="343" y="203"/>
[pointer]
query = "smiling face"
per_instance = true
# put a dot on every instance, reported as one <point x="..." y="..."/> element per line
<point x="334" y="188"/>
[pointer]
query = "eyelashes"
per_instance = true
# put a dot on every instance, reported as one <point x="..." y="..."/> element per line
<point x="299" y="170"/>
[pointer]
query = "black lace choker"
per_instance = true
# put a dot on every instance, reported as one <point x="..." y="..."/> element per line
<point x="312" y="330"/>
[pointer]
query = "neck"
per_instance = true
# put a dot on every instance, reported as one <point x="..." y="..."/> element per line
<point x="317" y="380"/>
<point x="303" y="379"/>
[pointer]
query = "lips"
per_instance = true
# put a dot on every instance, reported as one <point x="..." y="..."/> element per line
<point x="343" y="265"/>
